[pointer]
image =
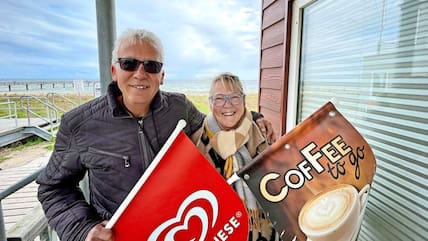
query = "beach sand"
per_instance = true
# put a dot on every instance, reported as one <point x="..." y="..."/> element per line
<point x="18" y="157"/>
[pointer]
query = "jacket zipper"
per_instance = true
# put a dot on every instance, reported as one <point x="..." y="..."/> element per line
<point x="143" y="140"/>
<point x="126" y="160"/>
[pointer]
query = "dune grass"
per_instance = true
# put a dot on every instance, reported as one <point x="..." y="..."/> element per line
<point x="200" y="101"/>
<point x="36" y="103"/>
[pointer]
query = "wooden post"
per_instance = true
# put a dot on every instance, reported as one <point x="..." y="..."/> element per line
<point x="2" y="225"/>
<point x="30" y="226"/>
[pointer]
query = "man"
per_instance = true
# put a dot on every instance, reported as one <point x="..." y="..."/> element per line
<point x="113" y="139"/>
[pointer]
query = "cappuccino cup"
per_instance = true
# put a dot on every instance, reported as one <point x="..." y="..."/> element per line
<point x="334" y="214"/>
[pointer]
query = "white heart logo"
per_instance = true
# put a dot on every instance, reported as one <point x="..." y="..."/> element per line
<point x="193" y="212"/>
<point x="197" y="211"/>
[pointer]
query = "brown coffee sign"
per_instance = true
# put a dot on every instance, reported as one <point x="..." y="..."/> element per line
<point x="300" y="179"/>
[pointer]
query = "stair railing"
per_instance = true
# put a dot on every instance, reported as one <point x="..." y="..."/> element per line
<point x="51" y="110"/>
<point x="11" y="111"/>
<point x="51" y="97"/>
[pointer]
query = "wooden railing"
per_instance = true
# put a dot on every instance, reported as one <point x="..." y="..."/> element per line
<point x="32" y="225"/>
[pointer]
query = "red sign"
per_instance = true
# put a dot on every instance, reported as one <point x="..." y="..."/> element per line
<point x="184" y="198"/>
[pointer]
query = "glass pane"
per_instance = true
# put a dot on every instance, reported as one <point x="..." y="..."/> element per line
<point x="373" y="57"/>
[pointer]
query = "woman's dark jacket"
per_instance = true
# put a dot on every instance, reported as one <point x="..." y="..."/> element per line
<point x="102" y="140"/>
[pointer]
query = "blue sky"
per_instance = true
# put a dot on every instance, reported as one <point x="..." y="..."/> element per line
<point x="53" y="39"/>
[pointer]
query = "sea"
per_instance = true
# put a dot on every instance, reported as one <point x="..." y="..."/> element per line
<point x="93" y="86"/>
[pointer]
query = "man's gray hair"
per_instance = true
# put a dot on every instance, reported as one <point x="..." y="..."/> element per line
<point x="137" y="36"/>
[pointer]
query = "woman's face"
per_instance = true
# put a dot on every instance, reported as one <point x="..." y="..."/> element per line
<point x="227" y="106"/>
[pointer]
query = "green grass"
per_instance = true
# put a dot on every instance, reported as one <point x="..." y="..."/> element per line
<point x="200" y="101"/>
<point x="4" y="158"/>
<point x="21" y="145"/>
<point x="29" y="142"/>
<point x="39" y="107"/>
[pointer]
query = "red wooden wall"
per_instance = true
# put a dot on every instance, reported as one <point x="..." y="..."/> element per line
<point x="274" y="58"/>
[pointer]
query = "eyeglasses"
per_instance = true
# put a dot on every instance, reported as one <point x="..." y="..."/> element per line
<point x="131" y="64"/>
<point x="220" y="100"/>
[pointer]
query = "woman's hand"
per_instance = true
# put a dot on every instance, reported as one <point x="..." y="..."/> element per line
<point x="266" y="128"/>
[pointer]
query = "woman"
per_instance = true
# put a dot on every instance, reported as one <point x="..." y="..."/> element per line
<point x="229" y="139"/>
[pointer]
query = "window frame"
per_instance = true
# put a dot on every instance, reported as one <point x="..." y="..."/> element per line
<point x="294" y="66"/>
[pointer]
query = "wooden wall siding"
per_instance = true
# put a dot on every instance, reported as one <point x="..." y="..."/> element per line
<point x="273" y="13"/>
<point x="274" y="59"/>
<point x="274" y="35"/>
<point x="272" y="116"/>
<point x="271" y="78"/>
<point x="271" y="99"/>
<point x="266" y="3"/>
<point x="270" y="105"/>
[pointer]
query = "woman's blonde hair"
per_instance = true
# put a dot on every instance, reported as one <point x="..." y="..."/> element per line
<point x="229" y="81"/>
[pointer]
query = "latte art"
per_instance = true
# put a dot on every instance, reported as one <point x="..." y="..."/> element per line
<point x="332" y="214"/>
<point x="327" y="210"/>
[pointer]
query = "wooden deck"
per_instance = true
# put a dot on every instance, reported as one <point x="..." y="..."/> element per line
<point x="20" y="203"/>
<point x="10" y="124"/>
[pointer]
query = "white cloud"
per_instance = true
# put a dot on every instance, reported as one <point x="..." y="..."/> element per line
<point x="201" y="38"/>
<point x="193" y="45"/>
<point x="42" y="19"/>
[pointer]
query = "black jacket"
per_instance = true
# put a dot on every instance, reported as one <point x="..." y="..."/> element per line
<point x="100" y="139"/>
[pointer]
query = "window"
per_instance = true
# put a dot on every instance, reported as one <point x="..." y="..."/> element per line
<point x="373" y="57"/>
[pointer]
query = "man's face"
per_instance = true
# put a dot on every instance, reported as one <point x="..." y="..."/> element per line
<point x="138" y="87"/>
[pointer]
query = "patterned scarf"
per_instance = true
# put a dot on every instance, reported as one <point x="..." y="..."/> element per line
<point x="230" y="145"/>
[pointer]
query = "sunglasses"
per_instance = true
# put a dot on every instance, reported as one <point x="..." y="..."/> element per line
<point x="131" y="64"/>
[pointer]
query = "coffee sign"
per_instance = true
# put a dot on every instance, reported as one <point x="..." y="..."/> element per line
<point x="314" y="181"/>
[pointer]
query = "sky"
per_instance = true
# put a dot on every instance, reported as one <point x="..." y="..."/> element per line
<point x="57" y="40"/>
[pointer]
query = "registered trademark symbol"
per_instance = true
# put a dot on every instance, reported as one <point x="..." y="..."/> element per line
<point x="238" y="214"/>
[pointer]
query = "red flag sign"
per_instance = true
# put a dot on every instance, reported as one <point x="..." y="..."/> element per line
<point x="181" y="197"/>
<point x="314" y="181"/>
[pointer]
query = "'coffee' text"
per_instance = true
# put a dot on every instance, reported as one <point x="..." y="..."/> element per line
<point x="334" y="150"/>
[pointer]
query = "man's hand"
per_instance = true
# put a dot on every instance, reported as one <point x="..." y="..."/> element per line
<point x="266" y="129"/>
<point x="100" y="233"/>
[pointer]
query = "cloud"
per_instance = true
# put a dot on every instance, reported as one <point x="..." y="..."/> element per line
<point x="50" y="39"/>
<point x="201" y="38"/>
